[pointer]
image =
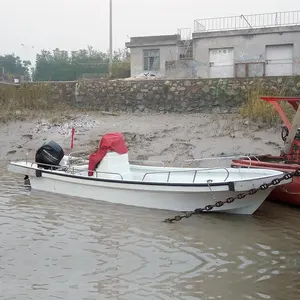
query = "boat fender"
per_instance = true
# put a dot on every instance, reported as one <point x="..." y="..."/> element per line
<point x="26" y="180"/>
<point x="231" y="186"/>
<point x="38" y="173"/>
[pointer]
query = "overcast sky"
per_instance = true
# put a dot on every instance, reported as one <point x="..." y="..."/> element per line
<point x="74" y="24"/>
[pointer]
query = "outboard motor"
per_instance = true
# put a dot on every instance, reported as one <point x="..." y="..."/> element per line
<point x="49" y="155"/>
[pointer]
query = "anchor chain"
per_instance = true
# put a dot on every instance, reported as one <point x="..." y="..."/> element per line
<point x="229" y="200"/>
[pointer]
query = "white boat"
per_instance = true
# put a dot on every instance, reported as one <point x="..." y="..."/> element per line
<point x="113" y="179"/>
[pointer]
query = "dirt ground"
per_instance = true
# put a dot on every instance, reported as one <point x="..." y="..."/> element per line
<point x="161" y="137"/>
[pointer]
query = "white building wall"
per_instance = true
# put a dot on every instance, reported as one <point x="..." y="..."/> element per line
<point x="279" y="60"/>
<point x="137" y="58"/>
<point x="221" y="62"/>
<point x="247" y="48"/>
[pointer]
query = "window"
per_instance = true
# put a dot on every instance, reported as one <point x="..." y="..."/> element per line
<point x="151" y="60"/>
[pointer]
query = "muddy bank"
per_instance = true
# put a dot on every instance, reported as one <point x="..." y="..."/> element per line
<point x="164" y="137"/>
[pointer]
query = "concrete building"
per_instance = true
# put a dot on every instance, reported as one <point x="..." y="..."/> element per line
<point x="240" y="46"/>
<point x="150" y="53"/>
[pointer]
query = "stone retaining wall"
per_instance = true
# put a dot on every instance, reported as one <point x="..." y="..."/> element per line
<point x="190" y="95"/>
<point x="179" y="95"/>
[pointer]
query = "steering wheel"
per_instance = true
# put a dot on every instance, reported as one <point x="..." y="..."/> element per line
<point x="284" y="133"/>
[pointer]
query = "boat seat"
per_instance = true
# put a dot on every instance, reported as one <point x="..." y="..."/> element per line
<point x="112" y="165"/>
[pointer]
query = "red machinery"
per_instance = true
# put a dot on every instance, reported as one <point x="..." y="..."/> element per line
<point x="289" y="158"/>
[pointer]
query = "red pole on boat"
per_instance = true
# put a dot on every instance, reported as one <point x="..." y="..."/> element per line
<point x="72" y="140"/>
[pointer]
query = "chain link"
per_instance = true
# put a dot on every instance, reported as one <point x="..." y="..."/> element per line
<point x="229" y="200"/>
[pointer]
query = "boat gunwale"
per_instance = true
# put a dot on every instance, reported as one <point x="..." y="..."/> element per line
<point x="230" y="184"/>
<point x="39" y="172"/>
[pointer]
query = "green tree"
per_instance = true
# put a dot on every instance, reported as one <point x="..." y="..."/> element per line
<point x="12" y="66"/>
<point x="121" y="64"/>
<point x="54" y="66"/>
<point x="89" y="61"/>
<point x="60" y="66"/>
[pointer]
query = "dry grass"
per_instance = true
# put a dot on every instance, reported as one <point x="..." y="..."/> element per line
<point x="27" y="97"/>
<point x="31" y="101"/>
<point x="257" y="110"/>
<point x="24" y="101"/>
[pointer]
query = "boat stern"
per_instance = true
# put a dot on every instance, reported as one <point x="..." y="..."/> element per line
<point x="21" y="167"/>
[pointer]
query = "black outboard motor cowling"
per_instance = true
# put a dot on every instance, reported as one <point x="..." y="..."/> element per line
<point x="49" y="154"/>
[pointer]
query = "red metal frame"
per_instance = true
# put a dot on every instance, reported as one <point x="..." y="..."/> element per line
<point x="274" y="101"/>
<point x="290" y="162"/>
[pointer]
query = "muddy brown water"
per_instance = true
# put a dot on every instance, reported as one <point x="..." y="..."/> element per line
<point x="57" y="247"/>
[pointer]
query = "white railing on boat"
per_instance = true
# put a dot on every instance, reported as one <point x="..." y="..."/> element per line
<point x="186" y="171"/>
<point x="74" y="170"/>
<point x="108" y="173"/>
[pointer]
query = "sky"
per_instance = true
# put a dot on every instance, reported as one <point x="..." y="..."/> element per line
<point x="28" y="26"/>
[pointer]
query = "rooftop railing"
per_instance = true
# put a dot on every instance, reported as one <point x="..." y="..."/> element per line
<point x="267" y="20"/>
